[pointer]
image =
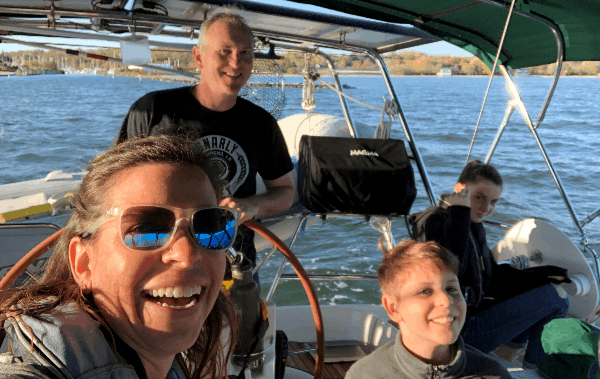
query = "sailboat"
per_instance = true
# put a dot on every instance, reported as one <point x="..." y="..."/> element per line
<point x="502" y="35"/>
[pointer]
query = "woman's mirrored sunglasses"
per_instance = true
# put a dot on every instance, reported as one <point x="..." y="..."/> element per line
<point x="150" y="227"/>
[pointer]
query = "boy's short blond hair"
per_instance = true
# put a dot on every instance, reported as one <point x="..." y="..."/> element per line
<point x="407" y="253"/>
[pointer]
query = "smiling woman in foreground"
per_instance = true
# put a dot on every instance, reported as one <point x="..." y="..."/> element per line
<point x="133" y="287"/>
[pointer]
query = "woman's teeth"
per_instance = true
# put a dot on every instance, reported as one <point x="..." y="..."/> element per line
<point x="184" y="306"/>
<point x="177" y="297"/>
<point x="175" y="292"/>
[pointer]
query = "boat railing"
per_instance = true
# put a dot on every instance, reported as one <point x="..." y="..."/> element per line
<point x="590" y="218"/>
<point x="378" y="222"/>
<point x="331" y="277"/>
<point x="499" y="224"/>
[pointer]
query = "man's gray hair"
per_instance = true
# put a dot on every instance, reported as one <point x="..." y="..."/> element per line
<point x="228" y="17"/>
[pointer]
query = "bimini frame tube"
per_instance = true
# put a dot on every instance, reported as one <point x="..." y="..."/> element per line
<point x="518" y="102"/>
<point x="559" y="59"/>
<point x="489" y="86"/>
<point x="510" y="109"/>
<point x="407" y="132"/>
<point x="591" y="217"/>
<point x="338" y="86"/>
<point x="512" y="87"/>
<point x="284" y="259"/>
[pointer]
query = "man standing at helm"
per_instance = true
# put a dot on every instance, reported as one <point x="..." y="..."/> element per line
<point x="244" y="138"/>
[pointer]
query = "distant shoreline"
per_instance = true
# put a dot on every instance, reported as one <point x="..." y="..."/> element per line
<point x="459" y="76"/>
<point x="191" y="81"/>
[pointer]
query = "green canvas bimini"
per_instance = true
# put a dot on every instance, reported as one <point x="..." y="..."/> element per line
<point x="477" y="26"/>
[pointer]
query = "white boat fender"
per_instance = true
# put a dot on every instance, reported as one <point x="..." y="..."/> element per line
<point x="57" y="174"/>
<point x="540" y="243"/>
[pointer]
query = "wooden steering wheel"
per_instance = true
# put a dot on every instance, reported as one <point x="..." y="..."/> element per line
<point x="49" y="242"/>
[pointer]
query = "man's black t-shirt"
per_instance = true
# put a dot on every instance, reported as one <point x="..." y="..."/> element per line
<point x="245" y="139"/>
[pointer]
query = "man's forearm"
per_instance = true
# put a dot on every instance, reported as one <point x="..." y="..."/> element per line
<point x="275" y="200"/>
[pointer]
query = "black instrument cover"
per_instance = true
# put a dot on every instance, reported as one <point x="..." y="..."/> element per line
<point x="355" y="175"/>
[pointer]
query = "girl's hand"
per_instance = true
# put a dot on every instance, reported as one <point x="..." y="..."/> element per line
<point x="462" y="197"/>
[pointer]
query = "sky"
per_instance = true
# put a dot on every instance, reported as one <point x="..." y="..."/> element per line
<point x="437" y="48"/>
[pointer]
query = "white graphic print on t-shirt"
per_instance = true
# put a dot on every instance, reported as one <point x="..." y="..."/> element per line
<point x="230" y="157"/>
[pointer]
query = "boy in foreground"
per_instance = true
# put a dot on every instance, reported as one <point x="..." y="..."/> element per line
<point x="421" y="293"/>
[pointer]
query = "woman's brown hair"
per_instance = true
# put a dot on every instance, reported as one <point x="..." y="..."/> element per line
<point x="208" y="357"/>
<point x="476" y="170"/>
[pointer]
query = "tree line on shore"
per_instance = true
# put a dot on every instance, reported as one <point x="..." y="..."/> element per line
<point x="399" y="63"/>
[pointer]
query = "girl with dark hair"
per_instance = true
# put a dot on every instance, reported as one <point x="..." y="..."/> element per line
<point x="506" y="306"/>
<point x="133" y="288"/>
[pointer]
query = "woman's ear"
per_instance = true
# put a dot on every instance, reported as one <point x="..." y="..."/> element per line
<point x="391" y="305"/>
<point x="80" y="263"/>
<point x="459" y="187"/>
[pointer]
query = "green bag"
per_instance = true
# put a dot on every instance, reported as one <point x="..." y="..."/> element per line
<point x="571" y="346"/>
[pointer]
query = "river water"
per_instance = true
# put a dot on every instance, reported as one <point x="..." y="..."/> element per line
<point x="61" y="121"/>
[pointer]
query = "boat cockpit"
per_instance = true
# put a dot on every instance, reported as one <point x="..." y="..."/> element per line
<point x="503" y="35"/>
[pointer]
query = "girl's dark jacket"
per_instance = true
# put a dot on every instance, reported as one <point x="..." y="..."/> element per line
<point x="483" y="281"/>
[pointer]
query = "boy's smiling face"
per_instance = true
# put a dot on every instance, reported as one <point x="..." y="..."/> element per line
<point x="429" y="308"/>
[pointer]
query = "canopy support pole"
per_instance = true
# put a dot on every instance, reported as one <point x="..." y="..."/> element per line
<point x="338" y="86"/>
<point x="487" y="91"/>
<point x="407" y="132"/>
<point x="512" y="87"/>
<point x="559" y="59"/>
<point x="509" y="111"/>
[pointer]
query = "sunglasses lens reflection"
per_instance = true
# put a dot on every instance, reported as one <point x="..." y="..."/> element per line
<point x="214" y="228"/>
<point x="148" y="228"/>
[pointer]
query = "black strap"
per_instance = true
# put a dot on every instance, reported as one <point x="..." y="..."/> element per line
<point x="281" y="353"/>
<point x="260" y="330"/>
